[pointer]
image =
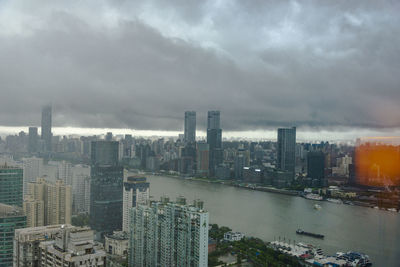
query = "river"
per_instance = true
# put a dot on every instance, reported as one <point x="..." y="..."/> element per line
<point x="269" y="216"/>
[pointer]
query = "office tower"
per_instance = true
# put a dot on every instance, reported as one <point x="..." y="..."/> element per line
<point x="46" y="127"/>
<point x="56" y="199"/>
<point x="33" y="140"/>
<point x="286" y="159"/>
<point x="72" y="247"/>
<point x="11" y="185"/>
<point x="203" y="160"/>
<point x="27" y="241"/>
<point x="214" y="140"/>
<point x="81" y="189"/>
<point x="33" y="169"/>
<point x="239" y="165"/>
<point x="64" y="172"/>
<point x="213" y="119"/>
<point x="136" y="192"/>
<point x="11" y="218"/>
<point x="316" y="167"/>
<point x="105" y="188"/>
<point x="190" y="126"/>
<point x="56" y="245"/>
<point x="169" y="234"/>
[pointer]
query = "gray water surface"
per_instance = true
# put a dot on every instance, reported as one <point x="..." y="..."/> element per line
<point x="268" y="216"/>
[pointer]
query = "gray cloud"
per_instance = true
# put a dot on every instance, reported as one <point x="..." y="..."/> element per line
<point x="141" y="64"/>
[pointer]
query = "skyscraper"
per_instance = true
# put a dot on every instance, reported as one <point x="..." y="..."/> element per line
<point x="316" y="167"/>
<point x="169" y="234"/>
<point x="46" y="127"/>
<point x="214" y="140"/>
<point x="136" y="192"/>
<point x="105" y="188"/>
<point x="11" y="218"/>
<point x="33" y="140"/>
<point x="203" y="159"/>
<point x="190" y="126"/>
<point x="11" y="185"/>
<point x="286" y="159"/>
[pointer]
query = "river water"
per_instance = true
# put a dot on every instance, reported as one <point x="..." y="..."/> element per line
<point x="270" y="216"/>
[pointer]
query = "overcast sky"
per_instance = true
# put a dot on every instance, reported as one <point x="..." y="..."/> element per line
<point x="141" y="64"/>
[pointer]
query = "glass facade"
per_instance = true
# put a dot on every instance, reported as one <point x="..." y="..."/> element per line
<point x="11" y="218"/>
<point x="11" y="186"/>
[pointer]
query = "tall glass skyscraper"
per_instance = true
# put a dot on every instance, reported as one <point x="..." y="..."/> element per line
<point x="11" y="218"/>
<point x="33" y="140"/>
<point x="214" y="140"/>
<point x="46" y="127"/>
<point x="190" y="126"/>
<point x="11" y="185"/>
<point x="287" y="150"/>
<point x="105" y="188"/>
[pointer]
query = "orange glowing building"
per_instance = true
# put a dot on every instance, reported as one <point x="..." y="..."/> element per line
<point x="377" y="161"/>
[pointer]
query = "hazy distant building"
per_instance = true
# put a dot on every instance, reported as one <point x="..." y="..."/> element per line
<point x="214" y="140"/>
<point x="48" y="203"/>
<point x="136" y="192"/>
<point x="169" y="234"/>
<point x="33" y="140"/>
<point x="239" y="165"/>
<point x="11" y="185"/>
<point x="109" y="136"/>
<point x="81" y="189"/>
<point x="286" y="158"/>
<point x="11" y="218"/>
<point x="33" y="169"/>
<point x="203" y="150"/>
<point x="190" y="126"/>
<point x="105" y="188"/>
<point x="316" y="167"/>
<point x="46" y="127"/>
<point x="64" y="172"/>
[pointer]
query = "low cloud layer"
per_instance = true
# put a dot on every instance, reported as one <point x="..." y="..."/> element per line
<point x="140" y="65"/>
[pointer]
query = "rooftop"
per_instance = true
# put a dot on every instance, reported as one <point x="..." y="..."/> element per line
<point x="10" y="211"/>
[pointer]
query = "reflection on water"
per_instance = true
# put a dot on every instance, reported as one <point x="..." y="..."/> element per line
<point x="268" y="216"/>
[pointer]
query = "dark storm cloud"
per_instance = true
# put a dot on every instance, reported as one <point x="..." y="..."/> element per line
<point x="141" y="64"/>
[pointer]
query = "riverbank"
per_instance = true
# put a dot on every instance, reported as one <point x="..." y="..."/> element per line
<point x="270" y="189"/>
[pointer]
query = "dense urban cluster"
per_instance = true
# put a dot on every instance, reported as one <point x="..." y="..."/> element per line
<point x="48" y="182"/>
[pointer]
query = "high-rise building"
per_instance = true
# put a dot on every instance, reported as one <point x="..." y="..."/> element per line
<point x="11" y="185"/>
<point x="239" y="165"/>
<point x="34" y="211"/>
<point x="316" y="167"/>
<point x="56" y="245"/>
<point x="33" y="169"/>
<point x="54" y="200"/>
<point x="33" y="140"/>
<point x="46" y="127"/>
<point x="105" y="188"/>
<point x="214" y="140"/>
<point x="190" y="126"/>
<point x="11" y="218"/>
<point x="203" y="160"/>
<point x="136" y="192"/>
<point x="64" y="172"/>
<point x="81" y="189"/>
<point x="286" y="158"/>
<point x="169" y="234"/>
